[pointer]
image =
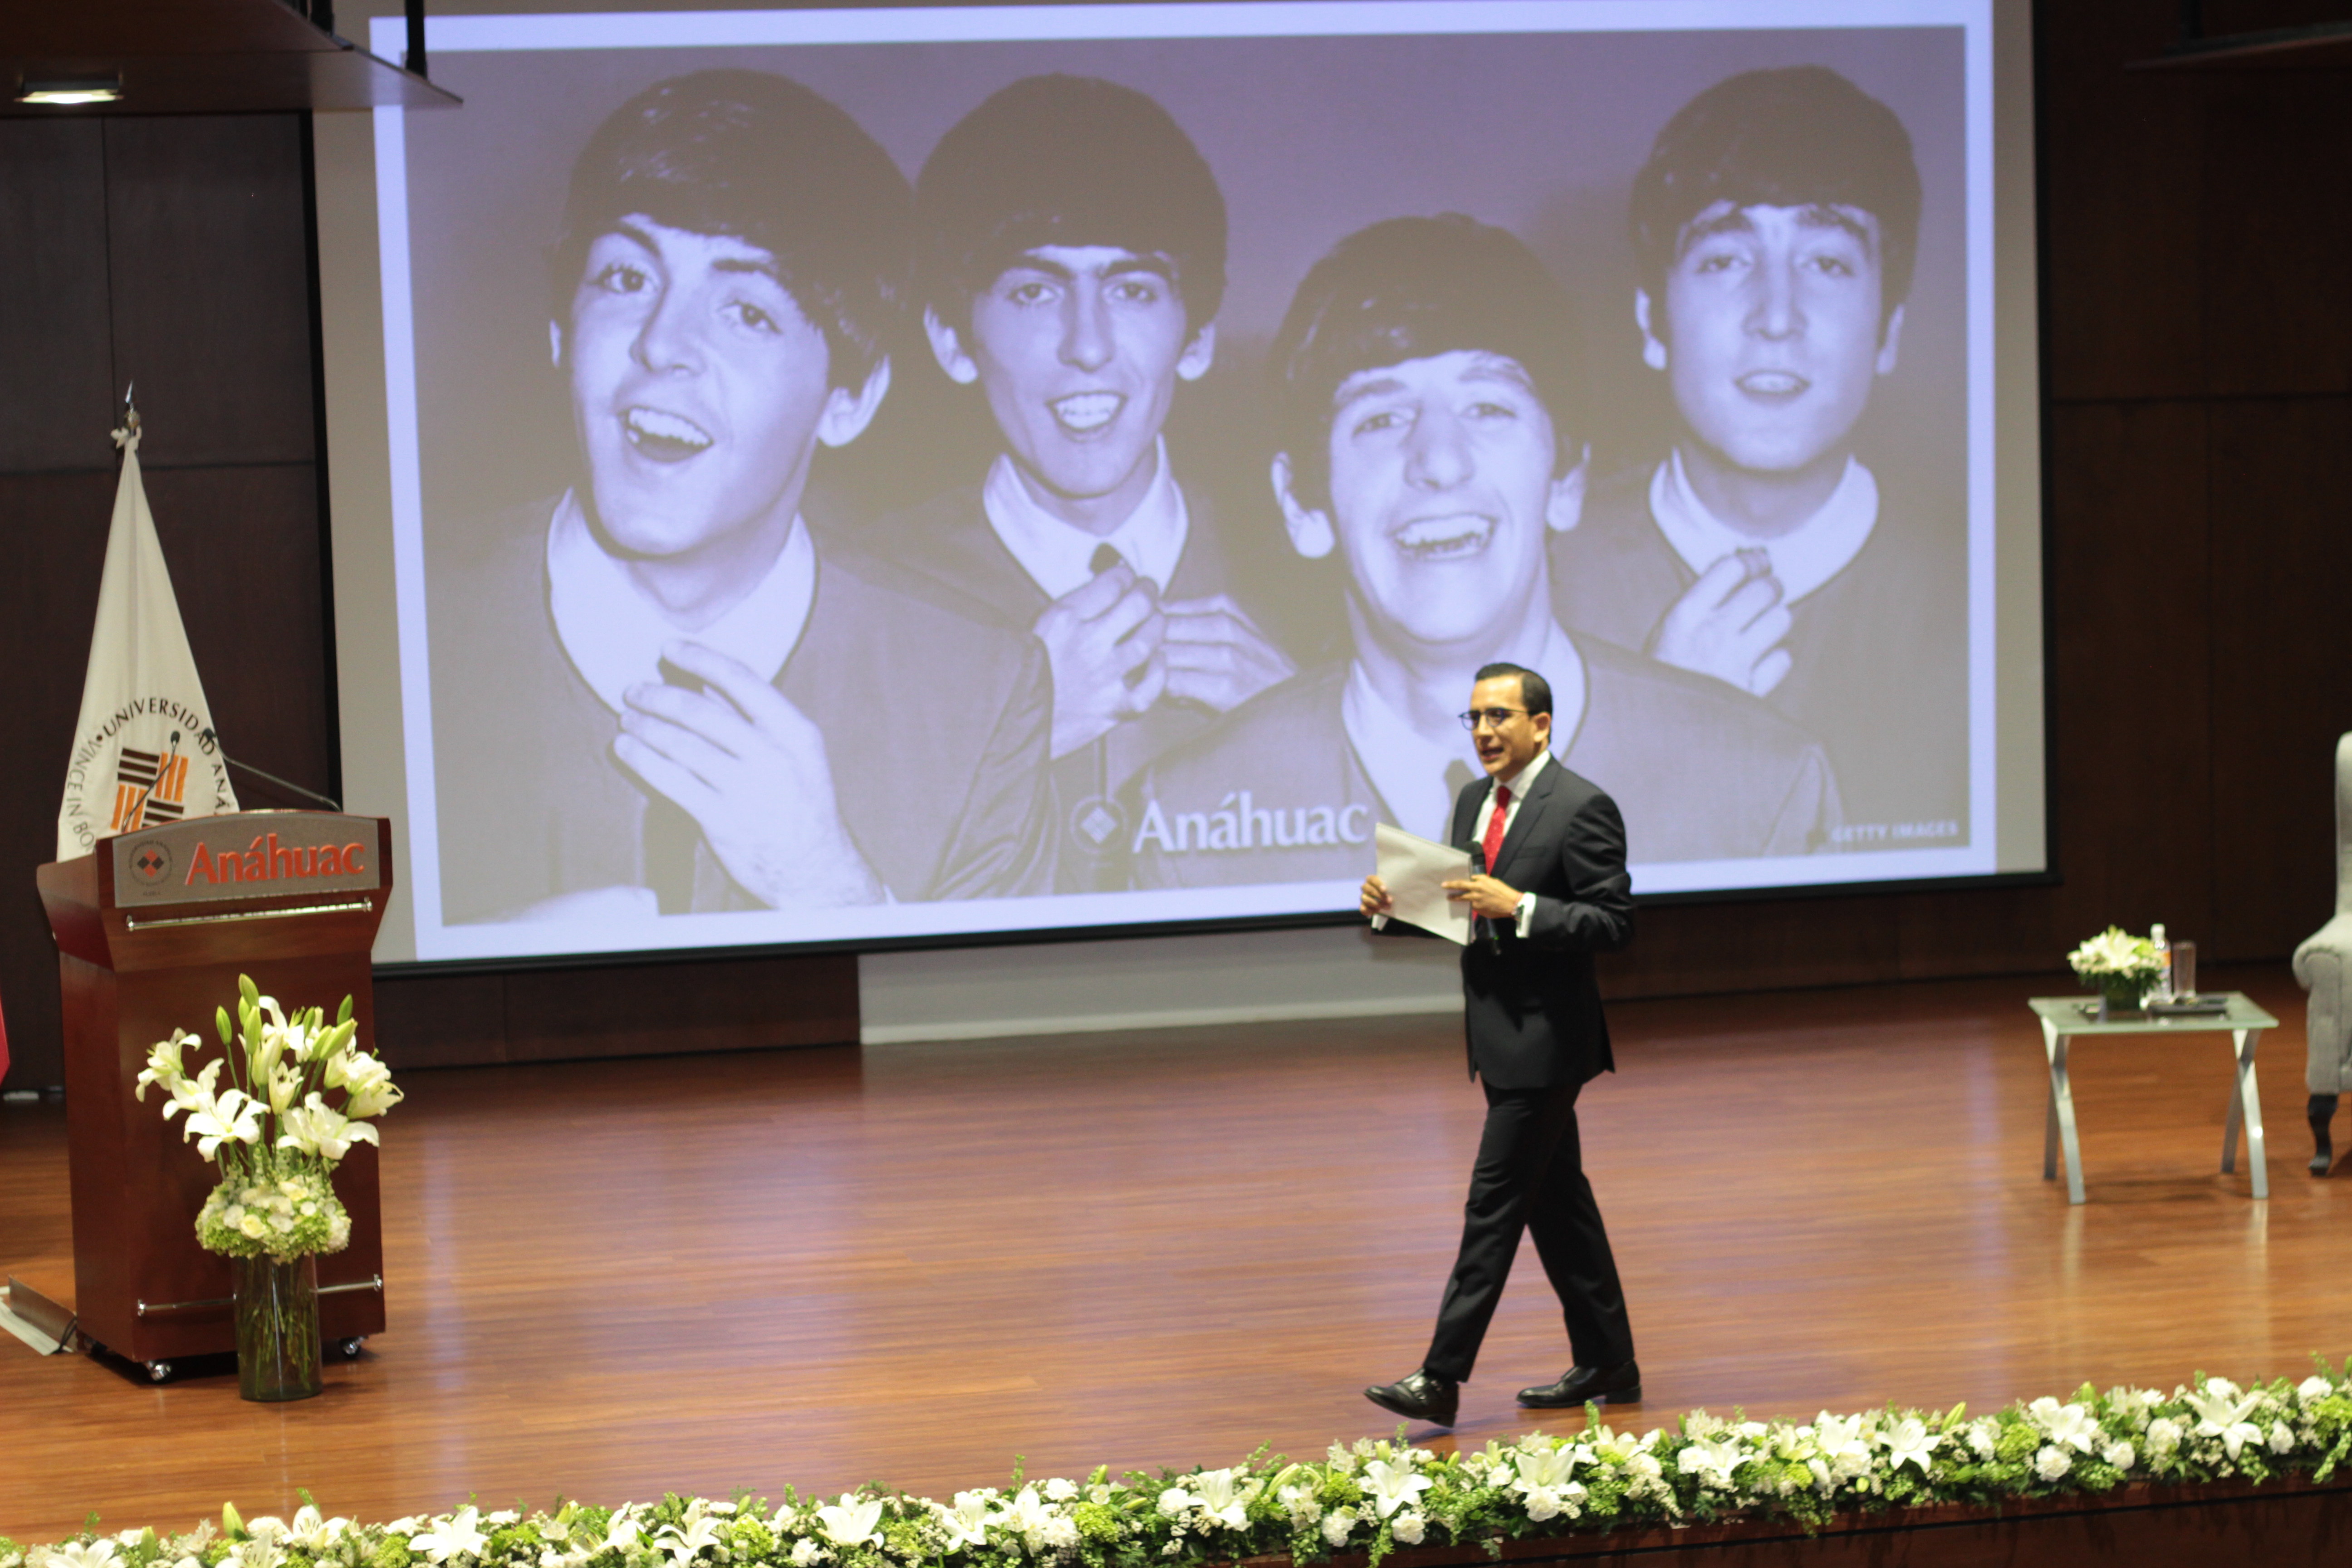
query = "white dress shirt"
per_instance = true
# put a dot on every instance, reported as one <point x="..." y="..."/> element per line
<point x="1518" y="784"/>
<point x="614" y="634"/>
<point x="1410" y="769"/>
<point x="1802" y="559"/>
<point x="1059" y="558"/>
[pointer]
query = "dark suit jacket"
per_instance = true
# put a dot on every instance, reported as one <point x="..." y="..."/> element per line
<point x="1532" y="1011"/>
<point x="948" y="540"/>
<point x="944" y="793"/>
<point x="1880" y="652"/>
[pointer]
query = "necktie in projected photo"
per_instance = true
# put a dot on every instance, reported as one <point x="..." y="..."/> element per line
<point x="1495" y="826"/>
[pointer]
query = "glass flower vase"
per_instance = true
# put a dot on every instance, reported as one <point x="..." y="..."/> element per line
<point x="278" y="1328"/>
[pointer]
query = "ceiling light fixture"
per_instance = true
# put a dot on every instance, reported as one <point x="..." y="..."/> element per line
<point x="60" y="94"/>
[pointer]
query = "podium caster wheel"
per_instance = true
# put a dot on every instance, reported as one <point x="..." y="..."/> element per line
<point x="159" y="1372"/>
<point x="350" y="1348"/>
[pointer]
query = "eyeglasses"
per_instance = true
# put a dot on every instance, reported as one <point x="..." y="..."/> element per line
<point x="1496" y="717"/>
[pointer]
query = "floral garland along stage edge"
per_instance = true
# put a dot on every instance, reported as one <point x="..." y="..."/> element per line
<point x="1372" y="1496"/>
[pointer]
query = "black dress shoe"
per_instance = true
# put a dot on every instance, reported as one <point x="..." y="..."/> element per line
<point x="1424" y="1397"/>
<point x="1577" y="1384"/>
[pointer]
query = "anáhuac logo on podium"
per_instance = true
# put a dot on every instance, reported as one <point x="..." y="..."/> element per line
<point x="145" y="751"/>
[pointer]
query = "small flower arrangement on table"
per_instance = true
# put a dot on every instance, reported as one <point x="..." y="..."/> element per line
<point x="2121" y="967"/>
<point x="277" y="1141"/>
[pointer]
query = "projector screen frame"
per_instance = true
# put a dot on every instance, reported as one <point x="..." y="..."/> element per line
<point x="2003" y="16"/>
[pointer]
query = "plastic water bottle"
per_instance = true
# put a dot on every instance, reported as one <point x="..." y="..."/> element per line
<point x="2162" y="991"/>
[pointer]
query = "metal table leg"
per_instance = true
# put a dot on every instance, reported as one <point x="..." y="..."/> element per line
<point x="2246" y="1106"/>
<point x="2058" y="1129"/>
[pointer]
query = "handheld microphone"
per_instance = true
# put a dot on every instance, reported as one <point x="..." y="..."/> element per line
<point x="1483" y="927"/>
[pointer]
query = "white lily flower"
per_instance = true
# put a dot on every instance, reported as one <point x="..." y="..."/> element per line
<point x="314" y="1532"/>
<point x="1546" y="1469"/>
<point x="2219" y="1410"/>
<point x="852" y="1521"/>
<point x="459" y="1535"/>
<point x="315" y="1127"/>
<point x="164" y="1064"/>
<point x="1393" y="1485"/>
<point x="684" y="1545"/>
<point x="1027" y="1516"/>
<point x="621" y="1531"/>
<point x="1910" y="1443"/>
<point x="285" y="1083"/>
<point x="99" y="1553"/>
<point x="233" y="1118"/>
<point x="966" y="1523"/>
<point x="2069" y="1425"/>
<point x="1843" y="1443"/>
<point x="1713" y="1460"/>
<point x="1221" y="1498"/>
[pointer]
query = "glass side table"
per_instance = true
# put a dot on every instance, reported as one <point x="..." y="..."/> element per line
<point x="2066" y="1018"/>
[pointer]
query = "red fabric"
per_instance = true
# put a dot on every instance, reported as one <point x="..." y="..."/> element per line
<point x="1494" y="825"/>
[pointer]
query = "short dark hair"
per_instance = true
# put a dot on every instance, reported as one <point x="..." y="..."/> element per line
<point x="764" y="160"/>
<point x="1799" y="136"/>
<point x="1067" y="160"/>
<point x="1411" y="288"/>
<point x="1534" y="691"/>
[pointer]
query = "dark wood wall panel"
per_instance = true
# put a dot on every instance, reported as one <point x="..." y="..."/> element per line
<point x="243" y="544"/>
<point x="2200" y="449"/>
<point x="2278" y="234"/>
<point x="209" y="262"/>
<point x="52" y="548"/>
<point x="2122" y="178"/>
<point x="54" y="389"/>
<point x="2282" y="693"/>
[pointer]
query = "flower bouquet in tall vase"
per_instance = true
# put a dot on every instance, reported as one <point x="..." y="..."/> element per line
<point x="277" y="1141"/>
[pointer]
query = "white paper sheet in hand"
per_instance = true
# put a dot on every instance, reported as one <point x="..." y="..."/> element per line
<point x="1415" y="869"/>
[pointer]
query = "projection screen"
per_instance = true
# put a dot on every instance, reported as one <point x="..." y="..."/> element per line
<point x="862" y="475"/>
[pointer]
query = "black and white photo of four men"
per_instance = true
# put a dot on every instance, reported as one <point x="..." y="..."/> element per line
<point x="1050" y="678"/>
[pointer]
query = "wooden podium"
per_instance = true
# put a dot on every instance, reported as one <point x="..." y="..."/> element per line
<point x="152" y="929"/>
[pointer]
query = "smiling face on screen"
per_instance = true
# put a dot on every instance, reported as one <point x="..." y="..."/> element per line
<point x="1773" y="330"/>
<point x="1442" y="480"/>
<point x="700" y="389"/>
<point x="1078" y="350"/>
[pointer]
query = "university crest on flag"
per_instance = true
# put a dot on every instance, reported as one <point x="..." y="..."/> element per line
<point x="144" y="753"/>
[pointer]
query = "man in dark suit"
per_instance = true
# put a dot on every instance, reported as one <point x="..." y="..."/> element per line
<point x="1554" y="892"/>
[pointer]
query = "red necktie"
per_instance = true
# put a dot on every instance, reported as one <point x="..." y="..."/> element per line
<point x="1495" y="826"/>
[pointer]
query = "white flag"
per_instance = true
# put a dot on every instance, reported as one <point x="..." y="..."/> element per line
<point x="143" y="751"/>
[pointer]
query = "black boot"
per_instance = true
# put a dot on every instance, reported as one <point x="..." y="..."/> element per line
<point x="2322" y="1110"/>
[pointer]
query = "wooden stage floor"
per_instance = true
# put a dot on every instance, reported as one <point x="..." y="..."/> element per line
<point x="1167" y="1248"/>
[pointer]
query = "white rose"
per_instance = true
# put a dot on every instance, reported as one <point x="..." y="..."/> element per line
<point x="1060" y="1490"/>
<point x="1983" y="1439"/>
<point x="1062" y="1531"/>
<point x="1408" y="1527"/>
<point x="805" y="1551"/>
<point x="2119" y="1455"/>
<point x="2163" y="1436"/>
<point x="1542" y="1503"/>
<point x="254" y="1227"/>
<point x="2282" y="1438"/>
<point x="2051" y="1462"/>
<point x="2314" y="1387"/>
<point x="1338" y="1524"/>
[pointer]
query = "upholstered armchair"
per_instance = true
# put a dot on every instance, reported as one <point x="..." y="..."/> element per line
<point x="2323" y="965"/>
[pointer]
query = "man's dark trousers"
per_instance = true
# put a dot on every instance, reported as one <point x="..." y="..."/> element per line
<point x="1530" y="1176"/>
